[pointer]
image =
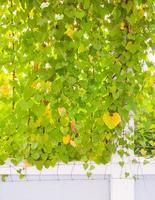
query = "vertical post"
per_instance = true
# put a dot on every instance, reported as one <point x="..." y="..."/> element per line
<point x="122" y="189"/>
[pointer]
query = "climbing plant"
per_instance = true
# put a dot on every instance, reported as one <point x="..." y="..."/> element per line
<point x="71" y="71"/>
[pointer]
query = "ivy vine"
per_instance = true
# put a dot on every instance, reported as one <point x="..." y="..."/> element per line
<point x="70" y="73"/>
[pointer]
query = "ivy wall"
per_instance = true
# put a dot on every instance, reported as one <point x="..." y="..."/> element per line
<point x="70" y="73"/>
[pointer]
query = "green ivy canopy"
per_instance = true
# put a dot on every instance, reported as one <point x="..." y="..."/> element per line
<point x="70" y="73"/>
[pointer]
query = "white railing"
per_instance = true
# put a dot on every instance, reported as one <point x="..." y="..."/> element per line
<point x="121" y="187"/>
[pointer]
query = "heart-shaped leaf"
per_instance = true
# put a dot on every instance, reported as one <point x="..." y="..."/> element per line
<point x="111" y="119"/>
<point x="66" y="139"/>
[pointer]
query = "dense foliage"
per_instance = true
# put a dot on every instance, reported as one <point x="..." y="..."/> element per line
<point x="70" y="73"/>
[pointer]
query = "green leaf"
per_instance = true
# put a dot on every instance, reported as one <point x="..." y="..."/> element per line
<point x="89" y="174"/>
<point x="4" y="177"/>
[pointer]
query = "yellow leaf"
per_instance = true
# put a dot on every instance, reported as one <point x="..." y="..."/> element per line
<point x="37" y="85"/>
<point x="48" y="111"/>
<point x="26" y="164"/>
<point x="111" y="119"/>
<point x="31" y="13"/>
<point x="122" y="26"/>
<point x="143" y="152"/>
<point x="36" y="67"/>
<point x="5" y="90"/>
<point x="62" y="111"/>
<point x="72" y="143"/>
<point x="70" y="31"/>
<point x="66" y="139"/>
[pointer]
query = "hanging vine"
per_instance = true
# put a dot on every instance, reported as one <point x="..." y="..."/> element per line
<point x="70" y="73"/>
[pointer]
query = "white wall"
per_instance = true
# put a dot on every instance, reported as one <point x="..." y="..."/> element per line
<point x="119" y="188"/>
<point x="145" y="188"/>
<point x="56" y="190"/>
